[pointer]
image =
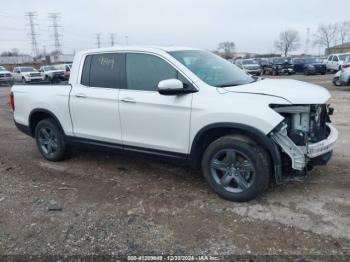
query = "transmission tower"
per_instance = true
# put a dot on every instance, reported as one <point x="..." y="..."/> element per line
<point x="112" y="39"/>
<point x="55" y="17"/>
<point x="31" y="16"/>
<point x="98" y="38"/>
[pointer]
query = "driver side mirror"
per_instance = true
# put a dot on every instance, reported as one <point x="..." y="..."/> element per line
<point x="174" y="87"/>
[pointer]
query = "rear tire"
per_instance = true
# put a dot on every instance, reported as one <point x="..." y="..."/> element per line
<point x="50" y="140"/>
<point x="236" y="168"/>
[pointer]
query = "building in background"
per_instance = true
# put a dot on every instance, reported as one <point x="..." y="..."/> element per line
<point x="344" y="48"/>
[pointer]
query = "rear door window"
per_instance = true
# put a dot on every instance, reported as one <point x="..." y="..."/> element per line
<point x="101" y="70"/>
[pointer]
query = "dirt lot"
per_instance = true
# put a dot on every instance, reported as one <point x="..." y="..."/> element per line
<point x="99" y="203"/>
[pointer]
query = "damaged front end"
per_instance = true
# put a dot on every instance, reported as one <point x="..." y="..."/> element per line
<point x="305" y="138"/>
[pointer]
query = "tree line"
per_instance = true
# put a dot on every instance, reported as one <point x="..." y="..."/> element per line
<point x="288" y="40"/>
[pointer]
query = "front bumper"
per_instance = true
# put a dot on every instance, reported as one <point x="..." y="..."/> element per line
<point x="324" y="146"/>
<point x="287" y="71"/>
<point x="33" y="78"/>
<point x="254" y="71"/>
<point x="6" y="79"/>
<point x="301" y="155"/>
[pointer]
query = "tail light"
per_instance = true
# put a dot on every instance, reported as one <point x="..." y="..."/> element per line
<point x="12" y="101"/>
<point x="345" y="66"/>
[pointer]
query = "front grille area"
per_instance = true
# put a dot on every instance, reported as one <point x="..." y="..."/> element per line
<point x="35" y="74"/>
<point x="5" y="75"/>
<point x="318" y="129"/>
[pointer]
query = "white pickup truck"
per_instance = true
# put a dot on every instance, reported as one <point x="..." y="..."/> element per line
<point x="183" y="104"/>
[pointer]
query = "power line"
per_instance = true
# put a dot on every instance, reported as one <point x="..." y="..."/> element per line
<point x="56" y="35"/>
<point x="31" y="16"/>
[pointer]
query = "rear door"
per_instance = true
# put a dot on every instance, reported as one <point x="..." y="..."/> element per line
<point x="329" y="62"/>
<point x="17" y="74"/>
<point x="94" y="100"/>
<point x="151" y="120"/>
<point x="335" y="63"/>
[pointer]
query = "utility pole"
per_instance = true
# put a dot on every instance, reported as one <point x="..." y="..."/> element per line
<point x="307" y="41"/>
<point x="112" y="39"/>
<point x="56" y="35"/>
<point x="98" y="38"/>
<point x="126" y="40"/>
<point x="31" y="16"/>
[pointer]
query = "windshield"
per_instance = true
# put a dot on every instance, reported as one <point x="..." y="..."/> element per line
<point x="249" y="62"/>
<point x="28" y="69"/>
<point x="311" y="60"/>
<point x="342" y="57"/>
<point x="212" y="69"/>
<point x="2" y="68"/>
<point x="280" y="60"/>
<point x="49" y="68"/>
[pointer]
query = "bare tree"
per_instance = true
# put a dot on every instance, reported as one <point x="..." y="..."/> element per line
<point x="326" y="35"/>
<point x="228" y="48"/>
<point x="344" y="31"/>
<point x="288" y="40"/>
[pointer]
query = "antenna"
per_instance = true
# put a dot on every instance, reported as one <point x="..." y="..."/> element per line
<point x="56" y="35"/>
<point x="31" y="16"/>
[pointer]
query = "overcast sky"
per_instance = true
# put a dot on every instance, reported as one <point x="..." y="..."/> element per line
<point x="252" y="24"/>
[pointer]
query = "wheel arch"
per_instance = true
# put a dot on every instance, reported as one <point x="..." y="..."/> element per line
<point x="38" y="114"/>
<point x="211" y="132"/>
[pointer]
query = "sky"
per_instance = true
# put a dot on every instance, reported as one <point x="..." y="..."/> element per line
<point x="252" y="25"/>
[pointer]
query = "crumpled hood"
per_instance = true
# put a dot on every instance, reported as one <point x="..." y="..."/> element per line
<point x="296" y="92"/>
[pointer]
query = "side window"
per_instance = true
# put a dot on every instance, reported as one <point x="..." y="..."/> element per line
<point x="330" y="58"/>
<point x="85" y="76"/>
<point x="143" y="71"/>
<point x="103" y="71"/>
<point x="335" y="58"/>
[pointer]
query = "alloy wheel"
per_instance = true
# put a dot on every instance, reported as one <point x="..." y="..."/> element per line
<point x="48" y="141"/>
<point x="232" y="170"/>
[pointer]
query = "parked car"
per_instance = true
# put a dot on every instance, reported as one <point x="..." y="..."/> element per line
<point x="51" y="74"/>
<point x="5" y="76"/>
<point x="262" y="62"/>
<point x="184" y="104"/>
<point x="342" y="77"/>
<point x="26" y="74"/>
<point x="279" y="65"/>
<point x="309" y="66"/>
<point x="66" y="68"/>
<point x="250" y="66"/>
<point x="335" y="61"/>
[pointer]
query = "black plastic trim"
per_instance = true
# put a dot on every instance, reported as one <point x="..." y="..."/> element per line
<point x="261" y="138"/>
<point x="23" y="128"/>
<point x="126" y="148"/>
<point x="42" y="110"/>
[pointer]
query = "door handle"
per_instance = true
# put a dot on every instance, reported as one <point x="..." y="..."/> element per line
<point x="128" y="100"/>
<point x="80" y="95"/>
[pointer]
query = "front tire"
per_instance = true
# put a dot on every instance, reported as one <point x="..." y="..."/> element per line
<point x="50" y="140"/>
<point x="236" y="168"/>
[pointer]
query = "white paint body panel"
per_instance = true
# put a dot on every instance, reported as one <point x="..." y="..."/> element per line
<point x="156" y="121"/>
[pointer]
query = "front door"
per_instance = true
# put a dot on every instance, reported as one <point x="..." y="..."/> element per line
<point x="94" y="101"/>
<point x="151" y="120"/>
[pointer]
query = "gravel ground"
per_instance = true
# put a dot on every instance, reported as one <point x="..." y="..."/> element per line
<point x="103" y="203"/>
